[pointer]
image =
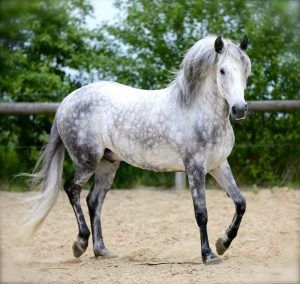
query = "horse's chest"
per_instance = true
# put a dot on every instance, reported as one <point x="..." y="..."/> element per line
<point x="219" y="150"/>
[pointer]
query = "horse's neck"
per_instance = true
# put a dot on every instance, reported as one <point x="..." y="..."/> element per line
<point x="208" y="100"/>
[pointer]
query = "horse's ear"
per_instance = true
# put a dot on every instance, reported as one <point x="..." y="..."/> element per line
<point x="244" y="43"/>
<point x="219" y="44"/>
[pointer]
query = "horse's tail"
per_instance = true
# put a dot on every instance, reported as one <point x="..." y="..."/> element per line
<point x="47" y="178"/>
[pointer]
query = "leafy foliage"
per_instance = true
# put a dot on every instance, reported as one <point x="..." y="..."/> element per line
<point x="46" y="51"/>
<point x="43" y="52"/>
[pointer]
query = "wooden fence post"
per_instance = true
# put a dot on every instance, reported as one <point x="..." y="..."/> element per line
<point x="180" y="180"/>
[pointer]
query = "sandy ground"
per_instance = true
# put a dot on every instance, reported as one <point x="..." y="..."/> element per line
<point x="156" y="238"/>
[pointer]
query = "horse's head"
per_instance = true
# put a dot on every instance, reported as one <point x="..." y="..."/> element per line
<point x="233" y="68"/>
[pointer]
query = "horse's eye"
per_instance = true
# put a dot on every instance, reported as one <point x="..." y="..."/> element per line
<point x="222" y="71"/>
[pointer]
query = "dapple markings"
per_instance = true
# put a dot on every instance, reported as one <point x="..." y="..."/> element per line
<point x="184" y="127"/>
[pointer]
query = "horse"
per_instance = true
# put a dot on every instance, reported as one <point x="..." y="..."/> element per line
<point x="184" y="127"/>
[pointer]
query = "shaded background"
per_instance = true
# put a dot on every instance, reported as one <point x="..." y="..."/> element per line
<point x="50" y="48"/>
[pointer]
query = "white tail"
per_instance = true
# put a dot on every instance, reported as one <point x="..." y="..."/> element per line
<point x="47" y="177"/>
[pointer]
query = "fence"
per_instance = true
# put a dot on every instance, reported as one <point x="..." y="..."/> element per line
<point x="50" y="108"/>
<point x="180" y="178"/>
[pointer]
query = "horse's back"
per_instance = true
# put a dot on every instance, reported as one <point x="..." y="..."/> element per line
<point x="94" y="117"/>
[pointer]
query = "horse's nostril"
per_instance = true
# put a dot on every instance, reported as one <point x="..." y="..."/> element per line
<point x="239" y="111"/>
<point x="246" y="106"/>
<point x="233" y="110"/>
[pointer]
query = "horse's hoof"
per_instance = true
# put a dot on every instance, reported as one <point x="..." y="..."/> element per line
<point x="78" y="248"/>
<point x="105" y="253"/>
<point x="220" y="246"/>
<point x="212" y="259"/>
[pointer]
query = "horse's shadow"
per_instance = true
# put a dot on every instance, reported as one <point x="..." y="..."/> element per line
<point x="170" y="263"/>
<point x="135" y="262"/>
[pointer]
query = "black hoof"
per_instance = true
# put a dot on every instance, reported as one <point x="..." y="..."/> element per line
<point x="220" y="246"/>
<point x="79" y="247"/>
<point x="104" y="253"/>
<point x="212" y="259"/>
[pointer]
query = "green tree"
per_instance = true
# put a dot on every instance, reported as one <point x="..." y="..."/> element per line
<point x="46" y="51"/>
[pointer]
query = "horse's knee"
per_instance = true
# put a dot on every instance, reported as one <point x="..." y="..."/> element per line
<point x="240" y="204"/>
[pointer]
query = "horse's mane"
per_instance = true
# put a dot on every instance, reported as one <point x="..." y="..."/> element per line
<point x="197" y="63"/>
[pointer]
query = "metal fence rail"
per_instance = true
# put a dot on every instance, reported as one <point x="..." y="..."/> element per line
<point x="50" y="108"/>
<point x="28" y="108"/>
<point x="273" y="105"/>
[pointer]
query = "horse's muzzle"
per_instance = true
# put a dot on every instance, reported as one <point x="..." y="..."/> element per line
<point x="239" y="112"/>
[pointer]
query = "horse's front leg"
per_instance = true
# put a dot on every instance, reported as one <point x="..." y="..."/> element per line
<point x="224" y="177"/>
<point x="196" y="176"/>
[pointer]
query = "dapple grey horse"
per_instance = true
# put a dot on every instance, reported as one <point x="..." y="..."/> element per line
<point x="184" y="127"/>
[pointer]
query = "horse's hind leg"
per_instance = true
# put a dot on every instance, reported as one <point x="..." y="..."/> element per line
<point x="224" y="177"/>
<point x="73" y="188"/>
<point x="104" y="176"/>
